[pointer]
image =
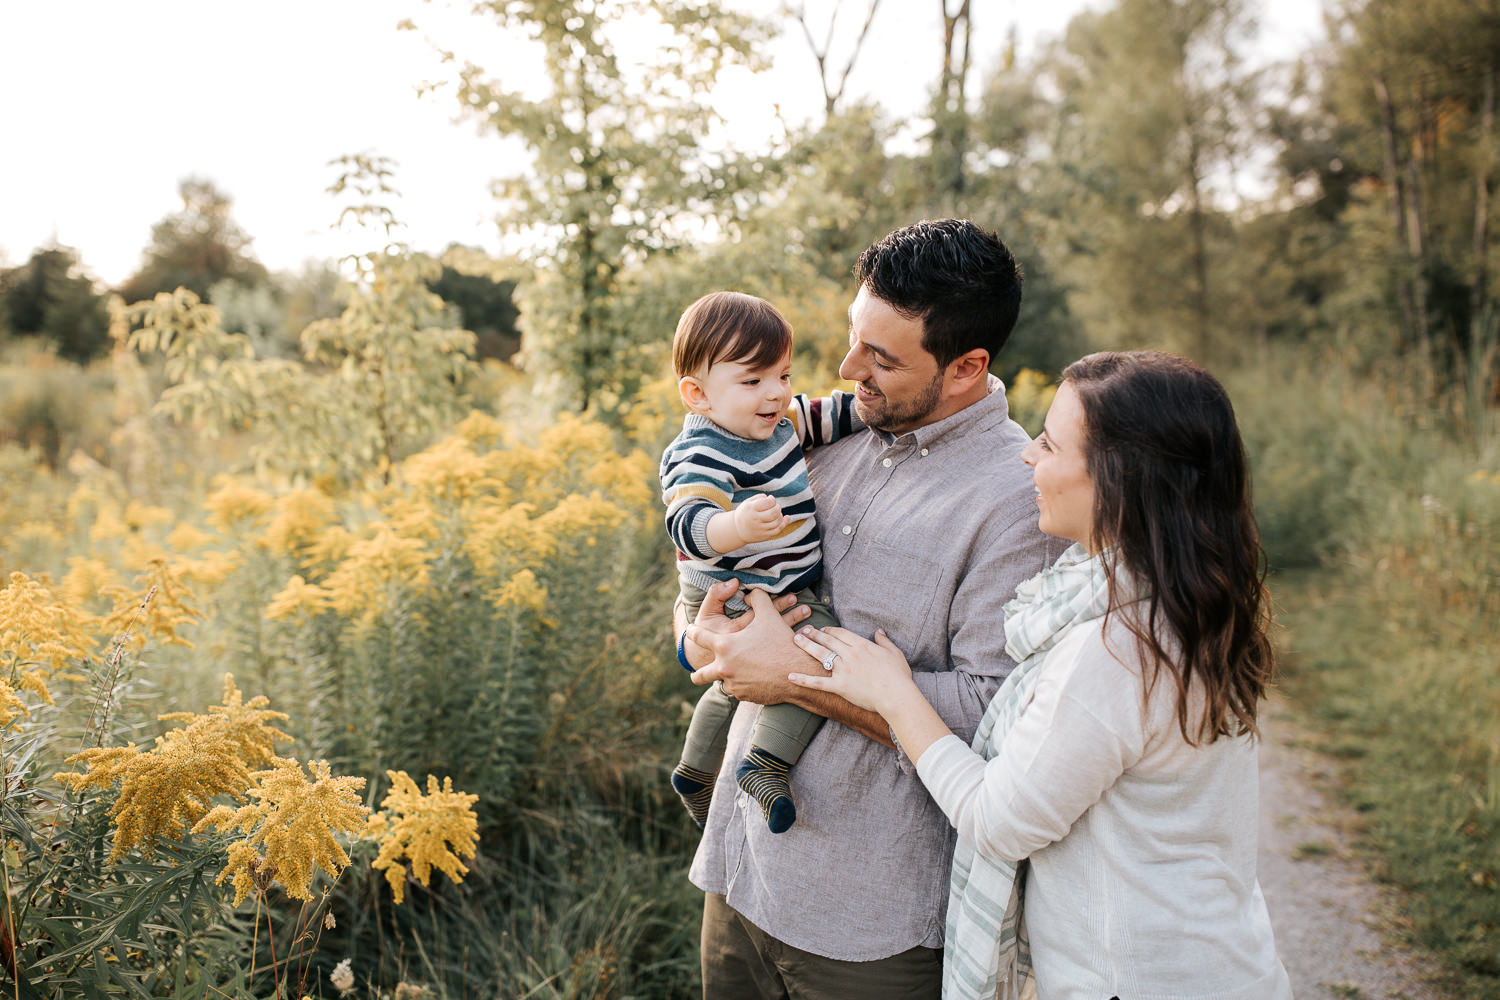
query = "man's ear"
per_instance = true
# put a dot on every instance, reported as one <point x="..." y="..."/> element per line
<point x="968" y="369"/>
<point x="693" y="396"/>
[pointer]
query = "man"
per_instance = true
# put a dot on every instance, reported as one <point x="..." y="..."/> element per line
<point x="928" y="523"/>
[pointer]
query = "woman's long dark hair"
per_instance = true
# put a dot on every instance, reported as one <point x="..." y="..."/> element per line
<point x="1172" y="506"/>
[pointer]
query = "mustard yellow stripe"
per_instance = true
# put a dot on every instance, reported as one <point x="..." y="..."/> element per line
<point x="792" y="527"/>
<point x="701" y="491"/>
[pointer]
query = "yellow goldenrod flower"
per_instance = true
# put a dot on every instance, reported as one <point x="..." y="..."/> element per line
<point x="166" y="790"/>
<point x="414" y="517"/>
<point x="429" y="831"/>
<point x="212" y="569"/>
<point x="580" y="518"/>
<point x="235" y="501"/>
<point x="480" y="428"/>
<point x="329" y="546"/>
<point x="292" y="824"/>
<point x="502" y="539"/>
<point x="449" y="470"/>
<point x="575" y="441"/>
<point x="630" y="480"/>
<point x="83" y="500"/>
<point x="244" y="870"/>
<point x="138" y="552"/>
<point x="298" y="599"/>
<point x="107" y="523"/>
<point x="656" y="409"/>
<point x="40" y="634"/>
<point x="168" y="610"/>
<point x="36" y="531"/>
<point x="11" y="706"/>
<point x="86" y="579"/>
<point x="360" y="583"/>
<point x="185" y="537"/>
<point x="520" y="591"/>
<point x="138" y="515"/>
<point x="297" y="519"/>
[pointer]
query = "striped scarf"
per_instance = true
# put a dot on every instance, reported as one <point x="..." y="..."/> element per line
<point x="986" y="952"/>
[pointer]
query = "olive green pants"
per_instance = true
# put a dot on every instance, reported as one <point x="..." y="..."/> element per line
<point x="743" y="962"/>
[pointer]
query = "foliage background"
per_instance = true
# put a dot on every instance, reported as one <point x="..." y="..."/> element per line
<point x="411" y="501"/>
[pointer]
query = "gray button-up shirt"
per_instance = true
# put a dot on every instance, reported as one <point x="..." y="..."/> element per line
<point x="925" y="535"/>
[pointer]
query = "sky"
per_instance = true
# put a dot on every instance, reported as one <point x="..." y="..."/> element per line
<point x="108" y="106"/>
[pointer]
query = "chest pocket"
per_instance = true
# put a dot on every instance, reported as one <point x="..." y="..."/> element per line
<point x="878" y="586"/>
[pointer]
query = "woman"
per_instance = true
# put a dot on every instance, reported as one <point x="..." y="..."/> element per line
<point x="1117" y="765"/>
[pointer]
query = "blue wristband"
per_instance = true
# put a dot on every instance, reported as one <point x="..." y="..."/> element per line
<point x="682" y="651"/>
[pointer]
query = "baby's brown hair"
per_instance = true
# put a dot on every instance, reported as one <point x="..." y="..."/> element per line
<point x="729" y="326"/>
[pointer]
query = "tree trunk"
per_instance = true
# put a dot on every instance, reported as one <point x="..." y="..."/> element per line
<point x="589" y="263"/>
<point x="833" y="94"/>
<point x="1479" y="294"/>
<point x="1200" y="268"/>
<point x="1412" y="327"/>
<point x="950" y="131"/>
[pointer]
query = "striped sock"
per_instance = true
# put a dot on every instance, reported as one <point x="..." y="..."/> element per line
<point x="763" y="777"/>
<point x="695" y="788"/>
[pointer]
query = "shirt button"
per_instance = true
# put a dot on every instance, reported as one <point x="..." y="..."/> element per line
<point x="924" y="452"/>
<point x="848" y="530"/>
<point x="886" y="463"/>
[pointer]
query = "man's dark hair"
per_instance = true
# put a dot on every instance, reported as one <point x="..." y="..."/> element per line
<point x="960" y="281"/>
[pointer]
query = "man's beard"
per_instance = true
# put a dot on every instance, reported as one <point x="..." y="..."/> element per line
<point x="887" y="416"/>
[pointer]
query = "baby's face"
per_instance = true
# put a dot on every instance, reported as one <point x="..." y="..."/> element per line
<point x="747" y="400"/>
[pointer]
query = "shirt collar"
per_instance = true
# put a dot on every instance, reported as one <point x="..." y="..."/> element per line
<point x="987" y="412"/>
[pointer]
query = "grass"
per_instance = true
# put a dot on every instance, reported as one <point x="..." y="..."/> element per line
<point x="1380" y="511"/>
<point x="1312" y="849"/>
<point x="1410" y="725"/>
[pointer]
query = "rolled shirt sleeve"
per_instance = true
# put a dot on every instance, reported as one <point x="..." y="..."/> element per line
<point x="976" y="619"/>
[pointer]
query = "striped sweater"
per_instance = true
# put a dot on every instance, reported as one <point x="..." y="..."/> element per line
<point x="706" y="470"/>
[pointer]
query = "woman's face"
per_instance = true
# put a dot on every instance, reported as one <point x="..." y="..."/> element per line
<point x="1059" y="469"/>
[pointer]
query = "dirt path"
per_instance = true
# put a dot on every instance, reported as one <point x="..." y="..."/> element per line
<point x="1326" y="912"/>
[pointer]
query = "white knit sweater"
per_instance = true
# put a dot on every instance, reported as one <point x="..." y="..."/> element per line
<point x="1142" y="847"/>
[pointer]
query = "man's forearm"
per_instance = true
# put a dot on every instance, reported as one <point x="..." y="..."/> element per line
<point x="831" y="706"/>
<point x="765" y="683"/>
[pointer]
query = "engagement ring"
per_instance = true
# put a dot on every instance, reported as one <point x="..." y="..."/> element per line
<point x="828" y="661"/>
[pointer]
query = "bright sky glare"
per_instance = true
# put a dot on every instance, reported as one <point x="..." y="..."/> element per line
<point x="109" y="105"/>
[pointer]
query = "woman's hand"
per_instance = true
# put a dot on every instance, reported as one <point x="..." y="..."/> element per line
<point x="872" y="675"/>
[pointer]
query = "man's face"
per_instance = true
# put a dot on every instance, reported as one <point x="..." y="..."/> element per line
<point x="899" y="386"/>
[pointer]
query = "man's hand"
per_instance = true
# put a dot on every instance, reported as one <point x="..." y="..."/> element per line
<point x="712" y="612"/>
<point x="755" y="653"/>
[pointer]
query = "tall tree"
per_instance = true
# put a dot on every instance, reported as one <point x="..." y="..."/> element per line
<point x="49" y="297"/>
<point x="834" y="78"/>
<point x="195" y="248"/>
<point x="1147" y="104"/>
<point x="950" y="108"/>
<point x="374" y="384"/>
<point x="1417" y="83"/>
<point x="618" y="172"/>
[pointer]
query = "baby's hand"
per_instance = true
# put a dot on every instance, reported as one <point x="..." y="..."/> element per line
<point x="759" y="519"/>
